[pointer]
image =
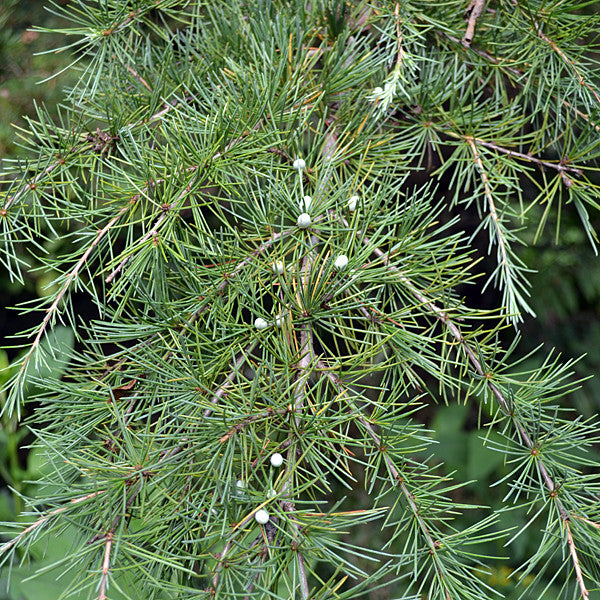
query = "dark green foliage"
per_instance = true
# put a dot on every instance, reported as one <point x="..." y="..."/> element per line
<point x="276" y="209"/>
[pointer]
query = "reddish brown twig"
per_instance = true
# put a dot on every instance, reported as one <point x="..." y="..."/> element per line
<point x="105" y="566"/>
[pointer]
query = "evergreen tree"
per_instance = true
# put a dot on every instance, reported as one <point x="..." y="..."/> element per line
<point x="267" y="204"/>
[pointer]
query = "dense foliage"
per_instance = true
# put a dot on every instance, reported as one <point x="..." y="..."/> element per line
<point x="282" y="213"/>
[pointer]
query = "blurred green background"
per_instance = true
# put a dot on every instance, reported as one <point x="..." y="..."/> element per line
<point x="566" y="298"/>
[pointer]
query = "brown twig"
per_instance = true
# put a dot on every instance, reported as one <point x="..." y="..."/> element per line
<point x="561" y="167"/>
<point x="138" y="77"/>
<point x="400" y="53"/>
<point x="575" y="559"/>
<point x="474" y="11"/>
<point x="265" y="414"/>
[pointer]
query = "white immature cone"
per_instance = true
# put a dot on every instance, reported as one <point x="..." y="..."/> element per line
<point x="376" y="93"/>
<point x="276" y="459"/>
<point x="353" y="203"/>
<point x="305" y="203"/>
<point x="278" y="267"/>
<point x="304" y="221"/>
<point x="341" y="262"/>
<point x="260" y="323"/>
<point x="261" y="516"/>
<point x="299" y="164"/>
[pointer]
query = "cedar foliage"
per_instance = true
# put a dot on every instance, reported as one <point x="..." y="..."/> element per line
<point x="277" y="208"/>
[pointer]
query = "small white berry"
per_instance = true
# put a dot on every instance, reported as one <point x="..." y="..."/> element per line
<point x="276" y="459"/>
<point x="341" y="262"/>
<point x="377" y="92"/>
<point x="304" y="221"/>
<point x="272" y="493"/>
<point x="261" y="516"/>
<point x="352" y="203"/>
<point x="279" y="319"/>
<point x="260" y="323"/>
<point x="278" y="267"/>
<point x="240" y="485"/>
<point x="305" y="203"/>
<point x="299" y="164"/>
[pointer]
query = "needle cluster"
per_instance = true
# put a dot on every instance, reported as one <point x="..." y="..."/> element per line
<point x="267" y="204"/>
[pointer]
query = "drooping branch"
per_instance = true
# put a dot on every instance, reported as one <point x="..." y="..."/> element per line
<point x="472" y="355"/>
<point x="408" y="496"/>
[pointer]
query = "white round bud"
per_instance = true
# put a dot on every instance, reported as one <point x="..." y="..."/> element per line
<point x="278" y="267"/>
<point x="304" y="221"/>
<point x="341" y="262"/>
<point x="279" y="319"/>
<point x="276" y="459"/>
<point x="261" y="516"/>
<point x="260" y="323"/>
<point x="299" y="164"/>
<point x="272" y="493"/>
<point x="377" y="91"/>
<point x="305" y="203"/>
<point x="352" y="203"/>
<point x="240" y="485"/>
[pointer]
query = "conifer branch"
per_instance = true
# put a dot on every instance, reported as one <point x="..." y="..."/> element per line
<point x="396" y="475"/>
<point x="236" y="428"/>
<point x="8" y="545"/>
<point x="70" y="277"/>
<point x="222" y="390"/>
<point x="31" y="185"/>
<point x="505" y="262"/>
<point x="560" y="52"/>
<point x="521" y="77"/>
<point x="502" y="401"/>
